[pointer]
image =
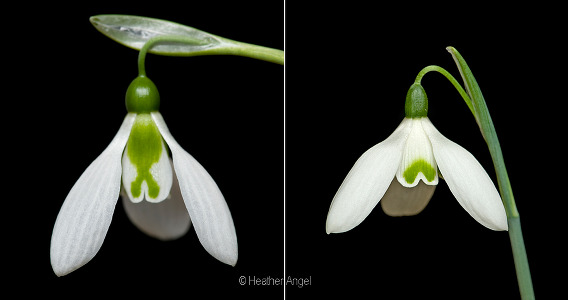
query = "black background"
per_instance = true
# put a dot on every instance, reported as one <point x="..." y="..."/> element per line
<point x="350" y="96"/>
<point x="348" y="68"/>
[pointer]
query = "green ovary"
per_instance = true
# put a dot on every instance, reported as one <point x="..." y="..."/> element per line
<point x="144" y="150"/>
<point x="419" y="166"/>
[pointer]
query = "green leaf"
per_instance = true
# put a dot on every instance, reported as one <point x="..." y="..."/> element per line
<point x="173" y="39"/>
<point x="480" y="110"/>
<point x="135" y="31"/>
<point x="485" y="123"/>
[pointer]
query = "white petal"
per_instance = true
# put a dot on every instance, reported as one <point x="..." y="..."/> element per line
<point x="206" y="206"/>
<point x="404" y="201"/>
<point x="418" y="161"/>
<point x="85" y="216"/>
<point x="468" y="181"/>
<point x="166" y="220"/>
<point x="160" y="172"/>
<point x="367" y="182"/>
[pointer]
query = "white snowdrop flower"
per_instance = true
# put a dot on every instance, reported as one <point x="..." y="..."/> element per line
<point x="160" y="200"/>
<point x="402" y="172"/>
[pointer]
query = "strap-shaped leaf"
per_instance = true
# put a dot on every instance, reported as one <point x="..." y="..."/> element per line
<point x="481" y="112"/>
<point x="485" y="123"/>
<point x="488" y="130"/>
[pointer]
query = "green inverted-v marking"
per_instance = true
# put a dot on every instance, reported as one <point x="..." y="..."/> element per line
<point x="419" y="166"/>
<point x="144" y="150"/>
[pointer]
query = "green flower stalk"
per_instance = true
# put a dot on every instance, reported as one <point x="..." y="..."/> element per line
<point x="483" y="118"/>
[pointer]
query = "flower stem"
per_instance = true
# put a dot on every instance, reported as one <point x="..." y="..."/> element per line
<point x="451" y="78"/>
<point x="253" y="51"/>
<point x="485" y="123"/>
<point x="156" y="40"/>
<point x="520" y="258"/>
<point x="227" y="47"/>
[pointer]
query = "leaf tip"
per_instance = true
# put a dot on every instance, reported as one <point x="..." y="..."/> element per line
<point x="96" y="20"/>
<point x="452" y="51"/>
<point x="93" y="19"/>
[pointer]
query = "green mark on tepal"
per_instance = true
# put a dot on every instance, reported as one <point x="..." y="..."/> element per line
<point x="144" y="149"/>
<point x="419" y="166"/>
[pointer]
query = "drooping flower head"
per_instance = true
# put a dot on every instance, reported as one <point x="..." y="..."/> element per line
<point x="402" y="172"/>
<point x="160" y="200"/>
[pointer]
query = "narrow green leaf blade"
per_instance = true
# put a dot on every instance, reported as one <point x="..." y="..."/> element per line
<point x="481" y="112"/>
<point x="135" y="31"/>
<point x="485" y="123"/>
<point x="488" y="130"/>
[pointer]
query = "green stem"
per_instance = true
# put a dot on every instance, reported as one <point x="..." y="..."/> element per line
<point x="156" y="40"/>
<point x="520" y="258"/>
<point x="451" y="78"/>
<point x="485" y="123"/>
<point x="227" y="47"/>
<point x="254" y="51"/>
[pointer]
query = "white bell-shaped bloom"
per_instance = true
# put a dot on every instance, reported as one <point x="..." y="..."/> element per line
<point x="402" y="172"/>
<point x="160" y="200"/>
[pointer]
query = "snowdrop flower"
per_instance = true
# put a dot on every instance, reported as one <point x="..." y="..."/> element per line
<point x="402" y="172"/>
<point x="160" y="201"/>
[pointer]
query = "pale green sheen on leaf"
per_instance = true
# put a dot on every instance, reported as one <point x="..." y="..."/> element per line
<point x="135" y="31"/>
<point x="173" y="39"/>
